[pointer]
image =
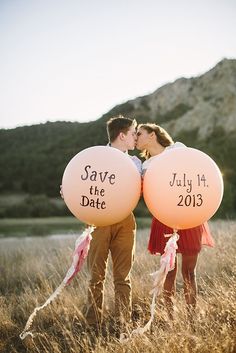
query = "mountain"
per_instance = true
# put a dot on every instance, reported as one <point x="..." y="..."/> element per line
<point x="199" y="111"/>
<point x="204" y="103"/>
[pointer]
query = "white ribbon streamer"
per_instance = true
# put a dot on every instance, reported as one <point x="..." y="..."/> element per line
<point x="167" y="263"/>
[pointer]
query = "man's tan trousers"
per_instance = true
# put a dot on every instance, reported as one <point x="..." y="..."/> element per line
<point x="119" y="239"/>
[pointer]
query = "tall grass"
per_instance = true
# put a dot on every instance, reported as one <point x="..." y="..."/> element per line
<point x="32" y="268"/>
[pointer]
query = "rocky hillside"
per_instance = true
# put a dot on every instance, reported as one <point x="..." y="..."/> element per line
<point x="201" y="103"/>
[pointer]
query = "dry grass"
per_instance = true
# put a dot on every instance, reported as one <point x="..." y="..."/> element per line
<point x="32" y="268"/>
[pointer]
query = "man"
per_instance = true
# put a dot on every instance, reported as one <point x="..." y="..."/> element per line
<point x="118" y="239"/>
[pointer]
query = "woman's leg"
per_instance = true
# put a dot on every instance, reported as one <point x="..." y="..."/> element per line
<point x="189" y="263"/>
<point x="169" y="289"/>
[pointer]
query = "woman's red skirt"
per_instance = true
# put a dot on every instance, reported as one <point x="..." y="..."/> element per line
<point x="190" y="240"/>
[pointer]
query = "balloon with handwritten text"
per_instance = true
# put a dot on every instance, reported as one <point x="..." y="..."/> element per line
<point x="101" y="185"/>
<point x="183" y="187"/>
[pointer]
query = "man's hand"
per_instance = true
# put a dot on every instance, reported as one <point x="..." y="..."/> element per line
<point x="61" y="192"/>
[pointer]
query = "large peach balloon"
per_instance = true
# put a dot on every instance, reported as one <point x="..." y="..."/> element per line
<point x="183" y="187"/>
<point x="101" y="185"/>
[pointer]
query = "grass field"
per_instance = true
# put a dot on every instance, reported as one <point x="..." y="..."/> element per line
<point x="31" y="268"/>
<point x="38" y="226"/>
<point x="22" y="227"/>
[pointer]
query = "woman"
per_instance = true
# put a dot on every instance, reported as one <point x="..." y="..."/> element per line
<point x="153" y="140"/>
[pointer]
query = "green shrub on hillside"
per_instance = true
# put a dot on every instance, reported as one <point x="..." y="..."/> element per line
<point x="35" y="206"/>
<point x="173" y="114"/>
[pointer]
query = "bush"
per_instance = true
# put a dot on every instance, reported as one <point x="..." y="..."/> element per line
<point x="141" y="210"/>
<point x="35" y="206"/>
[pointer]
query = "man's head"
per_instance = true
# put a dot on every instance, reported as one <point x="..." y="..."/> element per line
<point x="121" y="131"/>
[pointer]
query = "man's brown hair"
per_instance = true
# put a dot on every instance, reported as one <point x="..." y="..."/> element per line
<point x="117" y="125"/>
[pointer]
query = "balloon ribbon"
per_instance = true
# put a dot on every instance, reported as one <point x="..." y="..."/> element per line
<point x="80" y="253"/>
<point x="167" y="263"/>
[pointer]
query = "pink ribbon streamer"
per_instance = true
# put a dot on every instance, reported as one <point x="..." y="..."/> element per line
<point x="80" y="253"/>
<point x="82" y="245"/>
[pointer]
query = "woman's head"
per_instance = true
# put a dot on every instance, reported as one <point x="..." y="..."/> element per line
<point x="150" y="134"/>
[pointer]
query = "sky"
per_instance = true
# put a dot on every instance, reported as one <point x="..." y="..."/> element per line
<point x="74" y="60"/>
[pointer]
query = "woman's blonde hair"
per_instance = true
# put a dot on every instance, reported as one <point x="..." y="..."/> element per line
<point x="162" y="136"/>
